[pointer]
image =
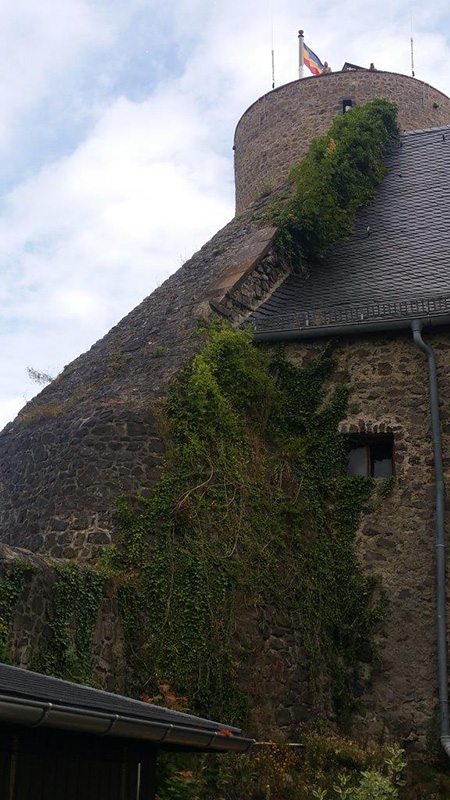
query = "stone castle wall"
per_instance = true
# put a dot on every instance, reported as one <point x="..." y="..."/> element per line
<point x="389" y="393"/>
<point x="29" y="630"/>
<point x="397" y="698"/>
<point x="92" y="434"/>
<point x="275" y="132"/>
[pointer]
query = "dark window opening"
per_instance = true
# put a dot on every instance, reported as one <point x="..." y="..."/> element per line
<point x="371" y="455"/>
<point x="347" y="104"/>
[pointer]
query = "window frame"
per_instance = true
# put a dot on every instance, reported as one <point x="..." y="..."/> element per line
<point x="359" y="441"/>
<point x="347" y="104"/>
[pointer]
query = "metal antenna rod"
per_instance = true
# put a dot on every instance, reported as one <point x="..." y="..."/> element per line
<point x="412" y="44"/>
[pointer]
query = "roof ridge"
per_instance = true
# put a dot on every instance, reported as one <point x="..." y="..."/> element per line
<point x="405" y="134"/>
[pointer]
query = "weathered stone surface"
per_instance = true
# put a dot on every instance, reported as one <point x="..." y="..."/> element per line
<point x="92" y="434"/>
<point x="396" y="543"/>
<point x="396" y="537"/>
<point x="30" y="630"/>
<point x="276" y="131"/>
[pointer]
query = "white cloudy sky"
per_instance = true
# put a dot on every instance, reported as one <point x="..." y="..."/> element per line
<point x="116" y="128"/>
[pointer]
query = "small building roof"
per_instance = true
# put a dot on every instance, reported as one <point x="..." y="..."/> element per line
<point x="395" y="265"/>
<point x="33" y="699"/>
<point x="348" y="67"/>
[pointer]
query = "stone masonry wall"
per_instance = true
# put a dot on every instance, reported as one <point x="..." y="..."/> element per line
<point x="389" y="383"/>
<point x="30" y="631"/>
<point x="272" y="672"/>
<point x="397" y="697"/>
<point x="275" y="132"/>
<point x="92" y="434"/>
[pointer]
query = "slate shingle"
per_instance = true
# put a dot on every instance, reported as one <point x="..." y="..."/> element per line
<point x="400" y="268"/>
<point x="24" y="684"/>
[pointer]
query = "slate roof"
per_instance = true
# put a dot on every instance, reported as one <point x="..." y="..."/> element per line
<point x="24" y="684"/>
<point x="395" y="264"/>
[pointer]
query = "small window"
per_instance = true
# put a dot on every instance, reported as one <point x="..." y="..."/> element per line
<point x="347" y="104"/>
<point x="371" y="455"/>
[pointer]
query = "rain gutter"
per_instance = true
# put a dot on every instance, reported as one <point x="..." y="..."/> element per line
<point x="415" y="325"/>
<point x="347" y="329"/>
<point x="35" y="713"/>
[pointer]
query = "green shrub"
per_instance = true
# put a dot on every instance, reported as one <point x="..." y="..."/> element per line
<point x="338" y="175"/>
<point x="327" y="767"/>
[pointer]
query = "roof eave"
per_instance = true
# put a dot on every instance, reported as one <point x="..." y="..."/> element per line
<point x="34" y="713"/>
<point x="348" y="329"/>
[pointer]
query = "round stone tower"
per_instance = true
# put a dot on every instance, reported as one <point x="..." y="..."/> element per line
<point x="92" y="435"/>
<point x="274" y="133"/>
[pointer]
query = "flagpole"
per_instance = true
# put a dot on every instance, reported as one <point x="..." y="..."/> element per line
<point x="300" y="54"/>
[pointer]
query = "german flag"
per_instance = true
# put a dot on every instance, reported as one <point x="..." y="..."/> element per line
<point x="310" y="59"/>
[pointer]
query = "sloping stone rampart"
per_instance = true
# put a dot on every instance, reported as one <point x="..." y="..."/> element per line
<point x="276" y="131"/>
<point x="92" y="434"/>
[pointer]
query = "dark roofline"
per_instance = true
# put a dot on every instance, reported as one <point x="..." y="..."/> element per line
<point x="348" y="329"/>
<point x="401" y="274"/>
<point x="30" y="699"/>
<point x="418" y="131"/>
<point x="349" y="67"/>
<point x="350" y="316"/>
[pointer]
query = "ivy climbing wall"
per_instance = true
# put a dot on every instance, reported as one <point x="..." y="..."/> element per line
<point x="315" y="590"/>
<point x="250" y="532"/>
<point x="93" y="432"/>
<point x="60" y="619"/>
<point x="387" y="380"/>
<point x="191" y="534"/>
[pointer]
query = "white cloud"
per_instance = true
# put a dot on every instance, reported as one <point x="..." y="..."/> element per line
<point x="39" y="43"/>
<point x="94" y="233"/>
<point x="9" y="406"/>
<point x="86" y="236"/>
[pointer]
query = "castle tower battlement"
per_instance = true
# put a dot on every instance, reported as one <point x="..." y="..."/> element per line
<point x="275" y="132"/>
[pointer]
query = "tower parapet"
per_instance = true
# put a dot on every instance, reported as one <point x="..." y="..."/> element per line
<point x="275" y="132"/>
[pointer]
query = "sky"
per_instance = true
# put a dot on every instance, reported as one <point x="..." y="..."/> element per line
<point x="116" y="133"/>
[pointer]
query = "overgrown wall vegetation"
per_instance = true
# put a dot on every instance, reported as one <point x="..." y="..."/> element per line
<point x="12" y="584"/>
<point x="254" y="509"/>
<point x="253" y="514"/>
<point x="76" y="598"/>
<point x="340" y="173"/>
<point x="253" y="517"/>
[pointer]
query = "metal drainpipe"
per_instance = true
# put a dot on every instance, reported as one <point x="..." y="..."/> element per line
<point x="416" y="327"/>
